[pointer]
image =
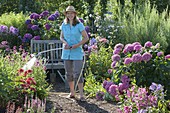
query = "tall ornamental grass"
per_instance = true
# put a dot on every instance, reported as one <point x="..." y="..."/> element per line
<point x="141" y="23"/>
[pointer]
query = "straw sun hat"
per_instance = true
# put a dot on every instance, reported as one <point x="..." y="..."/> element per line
<point x="70" y="8"/>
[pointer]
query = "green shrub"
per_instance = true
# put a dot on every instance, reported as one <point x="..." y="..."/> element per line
<point x="99" y="63"/>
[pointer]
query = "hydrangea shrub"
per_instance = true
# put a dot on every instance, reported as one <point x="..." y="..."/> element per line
<point x="142" y="64"/>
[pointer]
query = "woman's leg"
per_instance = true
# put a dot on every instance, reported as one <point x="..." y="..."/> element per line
<point x="77" y="64"/>
<point x="69" y="72"/>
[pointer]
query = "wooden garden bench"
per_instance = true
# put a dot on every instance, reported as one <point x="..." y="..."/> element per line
<point x="53" y="57"/>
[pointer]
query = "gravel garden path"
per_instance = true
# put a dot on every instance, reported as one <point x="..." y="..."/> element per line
<point x="58" y="102"/>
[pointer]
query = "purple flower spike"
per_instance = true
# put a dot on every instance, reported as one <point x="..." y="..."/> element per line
<point x="81" y="20"/>
<point x="48" y="26"/>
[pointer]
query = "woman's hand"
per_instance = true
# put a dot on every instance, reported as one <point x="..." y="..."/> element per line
<point x="67" y="46"/>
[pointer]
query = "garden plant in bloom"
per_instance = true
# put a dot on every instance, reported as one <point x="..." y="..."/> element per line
<point x="42" y="26"/>
<point x="142" y="64"/>
<point x="141" y="100"/>
<point x="18" y="84"/>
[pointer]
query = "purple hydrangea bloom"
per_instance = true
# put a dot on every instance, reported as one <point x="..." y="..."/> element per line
<point x="153" y="86"/>
<point x="3" y="29"/>
<point x="87" y="28"/>
<point x="35" y="27"/>
<point x="136" y="58"/>
<point x="14" y="30"/>
<point x="52" y="17"/>
<point x="93" y="41"/>
<point x="127" y="61"/>
<point x="146" y="56"/>
<point x="85" y="46"/>
<point x="81" y="20"/>
<point x="28" y="36"/>
<point x="28" y="21"/>
<point x="47" y="26"/>
<point x="29" y="26"/>
<point x="57" y="14"/>
<point x="115" y="57"/>
<point x="148" y="44"/>
<point x="159" y="54"/>
<point x="36" y="37"/>
<point x="44" y="13"/>
<point x="34" y="16"/>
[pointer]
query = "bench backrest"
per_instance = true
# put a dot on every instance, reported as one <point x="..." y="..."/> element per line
<point x="38" y="46"/>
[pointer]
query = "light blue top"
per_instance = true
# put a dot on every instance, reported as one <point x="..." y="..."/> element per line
<point x="72" y="35"/>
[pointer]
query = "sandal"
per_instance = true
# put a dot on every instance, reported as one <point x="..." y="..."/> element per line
<point x="82" y="99"/>
<point x="71" y="96"/>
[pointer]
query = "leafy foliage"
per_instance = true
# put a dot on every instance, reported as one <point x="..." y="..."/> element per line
<point x="16" y="82"/>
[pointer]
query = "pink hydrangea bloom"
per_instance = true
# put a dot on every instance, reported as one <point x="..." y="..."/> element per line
<point x="127" y="61"/>
<point x="137" y="58"/>
<point x="148" y="44"/>
<point x="159" y="54"/>
<point x="146" y="56"/>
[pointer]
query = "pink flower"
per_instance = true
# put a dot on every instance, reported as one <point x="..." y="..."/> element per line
<point x="118" y="46"/>
<point x="137" y="58"/>
<point x="146" y="56"/>
<point x="148" y="44"/>
<point x="137" y="47"/>
<point x="159" y="54"/>
<point x="127" y="61"/>
<point x="116" y="51"/>
<point x="116" y="57"/>
<point x="167" y="56"/>
<point x="109" y="71"/>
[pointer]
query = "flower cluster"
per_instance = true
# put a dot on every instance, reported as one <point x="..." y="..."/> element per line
<point x="141" y="63"/>
<point x="41" y="26"/>
<point x="11" y="31"/>
<point x="100" y="95"/>
<point x="142" y="100"/>
<point x="6" y="33"/>
<point x="116" y="90"/>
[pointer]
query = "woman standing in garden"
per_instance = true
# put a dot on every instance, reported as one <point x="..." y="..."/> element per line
<point x="72" y="31"/>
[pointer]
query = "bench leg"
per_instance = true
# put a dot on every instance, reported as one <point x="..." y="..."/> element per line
<point x="63" y="78"/>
